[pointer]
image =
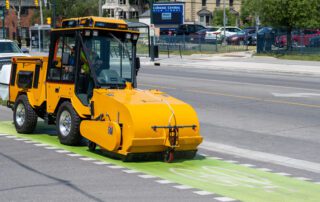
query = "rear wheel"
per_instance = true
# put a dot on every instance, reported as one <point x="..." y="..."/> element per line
<point x="68" y="125"/>
<point x="92" y="146"/>
<point x="24" y="116"/>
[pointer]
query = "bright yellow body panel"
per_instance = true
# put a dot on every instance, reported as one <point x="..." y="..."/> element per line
<point x="138" y="111"/>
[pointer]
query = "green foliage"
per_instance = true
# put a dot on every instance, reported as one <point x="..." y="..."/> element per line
<point x="283" y="13"/>
<point x="218" y="18"/>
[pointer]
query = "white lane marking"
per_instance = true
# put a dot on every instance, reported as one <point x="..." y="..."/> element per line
<point x="205" y="155"/>
<point x="74" y="155"/>
<point x="87" y="159"/>
<point x="147" y="176"/>
<point x="21" y="139"/>
<point x="317" y="182"/>
<point x="41" y="145"/>
<point x="51" y="148"/>
<point x="265" y="169"/>
<point x="296" y="95"/>
<point x="283" y="174"/>
<point x="203" y="193"/>
<point x="62" y="151"/>
<point x="224" y="199"/>
<point x="164" y="181"/>
<point x="182" y="187"/>
<point x="231" y="161"/>
<point x="215" y="158"/>
<point x="10" y="136"/>
<point x="115" y="167"/>
<point x="302" y="178"/>
<point x="130" y="171"/>
<point x="101" y="163"/>
<point x="30" y="142"/>
<point x="2" y="134"/>
<point x="247" y="165"/>
<point x="262" y="156"/>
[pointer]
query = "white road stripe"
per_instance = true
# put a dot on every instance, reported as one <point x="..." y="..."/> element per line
<point x="283" y="174"/>
<point x="231" y="161"/>
<point x="115" y="167"/>
<point x="265" y="169"/>
<point x="203" y="193"/>
<point x="164" y="181"/>
<point x="41" y="145"/>
<point x="21" y="139"/>
<point x="205" y="155"/>
<point x="317" y="182"/>
<point x="262" y="156"/>
<point x="247" y="165"/>
<point x="87" y="159"/>
<point x="62" y="151"/>
<point x="74" y="155"/>
<point x="147" y="176"/>
<point x="302" y="178"/>
<point x="215" y="158"/>
<point x="10" y="136"/>
<point x="182" y="187"/>
<point x="224" y="199"/>
<point x="2" y="134"/>
<point x="130" y="171"/>
<point x="51" y="148"/>
<point x="101" y="163"/>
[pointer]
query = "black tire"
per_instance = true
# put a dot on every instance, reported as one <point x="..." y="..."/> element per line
<point x="24" y="116"/>
<point x="92" y="146"/>
<point x="68" y="125"/>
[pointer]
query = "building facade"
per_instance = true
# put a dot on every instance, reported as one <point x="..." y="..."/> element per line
<point x="11" y="19"/>
<point x="124" y="9"/>
<point x="202" y="11"/>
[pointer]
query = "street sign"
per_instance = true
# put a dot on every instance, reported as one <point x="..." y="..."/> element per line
<point x="168" y="13"/>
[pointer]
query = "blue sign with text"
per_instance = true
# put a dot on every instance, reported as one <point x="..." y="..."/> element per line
<point x="165" y="14"/>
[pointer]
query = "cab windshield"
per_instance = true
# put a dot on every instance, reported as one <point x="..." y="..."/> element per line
<point x="109" y="59"/>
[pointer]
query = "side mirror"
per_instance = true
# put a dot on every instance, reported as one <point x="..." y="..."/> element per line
<point x="25" y="50"/>
<point x="137" y="62"/>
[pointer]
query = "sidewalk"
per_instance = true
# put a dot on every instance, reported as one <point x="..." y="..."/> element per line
<point x="239" y="61"/>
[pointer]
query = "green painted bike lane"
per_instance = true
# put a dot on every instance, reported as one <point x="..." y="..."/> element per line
<point x="216" y="176"/>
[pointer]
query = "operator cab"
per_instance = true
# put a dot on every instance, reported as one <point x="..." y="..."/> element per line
<point x="93" y="52"/>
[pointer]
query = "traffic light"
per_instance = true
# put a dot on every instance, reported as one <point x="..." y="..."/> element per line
<point x="7" y="4"/>
<point x="49" y="21"/>
<point x="36" y="3"/>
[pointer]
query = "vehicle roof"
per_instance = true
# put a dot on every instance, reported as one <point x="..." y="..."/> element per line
<point x="99" y="19"/>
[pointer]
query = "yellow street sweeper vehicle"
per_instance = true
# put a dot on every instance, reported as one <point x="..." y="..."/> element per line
<point x="87" y="87"/>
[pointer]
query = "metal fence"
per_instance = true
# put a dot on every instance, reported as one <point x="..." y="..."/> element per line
<point x="187" y="45"/>
<point x="303" y="41"/>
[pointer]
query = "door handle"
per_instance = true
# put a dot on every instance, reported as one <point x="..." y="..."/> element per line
<point x="57" y="90"/>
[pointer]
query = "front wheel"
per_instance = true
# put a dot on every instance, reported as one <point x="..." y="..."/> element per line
<point x="24" y="116"/>
<point x="68" y="125"/>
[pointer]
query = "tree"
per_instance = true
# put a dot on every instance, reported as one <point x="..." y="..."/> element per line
<point x="288" y="14"/>
<point x="218" y="18"/>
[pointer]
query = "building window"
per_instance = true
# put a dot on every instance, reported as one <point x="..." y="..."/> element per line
<point x="204" y="2"/>
<point x="122" y="15"/>
<point x="133" y="2"/>
<point x="231" y="3"/>
<point x="122" y="2"/>
<point x="133" y="15"/>
<point x="24" y="11"/>
<point x="110" y="13"/>
<point x="218" y="3"/>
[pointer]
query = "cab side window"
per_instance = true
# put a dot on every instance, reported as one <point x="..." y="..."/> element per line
<point x="62" y="67"/>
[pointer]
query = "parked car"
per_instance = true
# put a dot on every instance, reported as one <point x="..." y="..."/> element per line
<point x="314" y="41"/>
<point x="298" y="38"/>
<point x="245" y="37"/>
<point x="218" y="33"/>
<point x="200" y="36"/>
<point x="187" y="29"/>
<point x="8" y="49"/>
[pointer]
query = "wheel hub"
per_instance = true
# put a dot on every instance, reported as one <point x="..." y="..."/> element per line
<point x="65" y="123"/>
<point x="20" y="114"/>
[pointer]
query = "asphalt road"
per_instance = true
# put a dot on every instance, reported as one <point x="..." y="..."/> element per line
<point x="276" y="114"/>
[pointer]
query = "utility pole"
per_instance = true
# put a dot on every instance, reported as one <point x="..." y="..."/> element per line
<point x="224" y="20"/>
<point x="100" y="8"/>
<point x="41" y="14"/>
<point x="53" y="22"/>
<point x="152" y="37"/>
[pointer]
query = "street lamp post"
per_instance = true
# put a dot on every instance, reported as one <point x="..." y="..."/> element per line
<point x="2" y="14"/>
<point x="224" y="19"/>
<point x="152" y="37"/>
<point x="53" y="22"/>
